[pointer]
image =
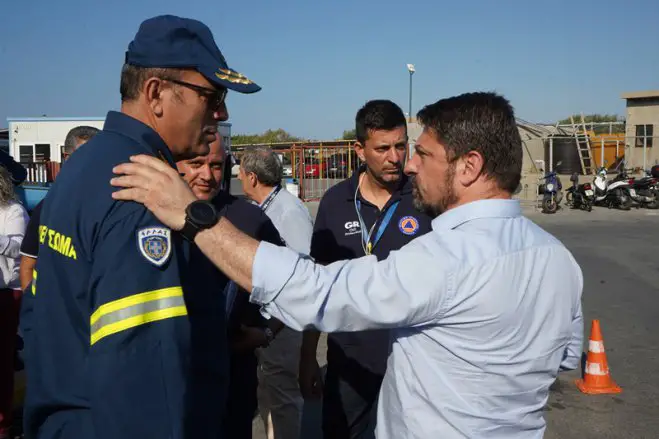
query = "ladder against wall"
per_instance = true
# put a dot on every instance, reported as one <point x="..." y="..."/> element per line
<point x="582" y="140"/>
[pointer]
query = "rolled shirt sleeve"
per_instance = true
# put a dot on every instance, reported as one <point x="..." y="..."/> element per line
<point x="352" y="295"/>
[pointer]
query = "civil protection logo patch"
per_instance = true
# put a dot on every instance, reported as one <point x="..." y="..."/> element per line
<point x="408" y="225"/>
<point x="155" y="244"/>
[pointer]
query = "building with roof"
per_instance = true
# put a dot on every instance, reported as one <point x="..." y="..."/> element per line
<point x="4" y="139"/>
<point x="642" y="131"/>
<point x="33" y="141"/>
<point x="545" y="147"/>
<point x="39" y="139"/>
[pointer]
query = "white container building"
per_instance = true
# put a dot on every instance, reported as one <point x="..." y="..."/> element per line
<point x="35" y="140"/>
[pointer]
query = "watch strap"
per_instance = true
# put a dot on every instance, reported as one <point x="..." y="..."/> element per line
<point x="191" y="227"/>
<point x="189" y="230"/>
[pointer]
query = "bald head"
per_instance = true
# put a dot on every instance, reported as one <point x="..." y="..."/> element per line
<point x="204" y="173"/>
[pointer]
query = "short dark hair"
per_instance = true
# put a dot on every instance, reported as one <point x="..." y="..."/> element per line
<point x="77" y="134"/>
<point x="483" y="122"/>
<point x="133" y="78"/>
<point x="378" y="114"/>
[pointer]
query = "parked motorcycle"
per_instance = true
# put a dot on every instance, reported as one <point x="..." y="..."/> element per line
<point x="611" y="193"/>
<point x="642" y="190"/>
<point x="550" y="191"/>
<point x="580" y="196"/>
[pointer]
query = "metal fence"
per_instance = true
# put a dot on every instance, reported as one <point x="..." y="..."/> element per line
<point x="316" y="167"/>
<point x="319" y="168"/>
<point x="41" y="172"/>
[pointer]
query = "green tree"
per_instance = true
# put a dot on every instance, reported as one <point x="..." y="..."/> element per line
<point x="270" y="136"/>
<point x="349" y="135"/>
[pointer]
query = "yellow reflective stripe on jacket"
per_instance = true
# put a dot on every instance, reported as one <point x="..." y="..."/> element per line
<point x="137" y="310"/>
<point x="34" y="282"/>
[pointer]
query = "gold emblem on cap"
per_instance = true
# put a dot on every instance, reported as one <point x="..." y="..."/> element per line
<point x="231" y="76"/>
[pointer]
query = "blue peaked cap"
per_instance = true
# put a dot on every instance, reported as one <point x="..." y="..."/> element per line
<point x="168" y="41"/>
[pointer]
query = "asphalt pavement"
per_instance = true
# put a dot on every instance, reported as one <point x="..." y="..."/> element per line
<point x="617" y="253"/>
<point x="618" y="257"/>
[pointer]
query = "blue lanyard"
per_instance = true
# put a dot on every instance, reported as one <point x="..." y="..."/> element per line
<point x="267" y="201"/>
<point x="366" y="237"/>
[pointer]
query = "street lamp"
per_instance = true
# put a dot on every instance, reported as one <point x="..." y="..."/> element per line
<point x="410" y="68"/>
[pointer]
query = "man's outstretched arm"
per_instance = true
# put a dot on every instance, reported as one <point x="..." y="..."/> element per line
<point x="346" y="295"/>
<point x="160" y="188"/>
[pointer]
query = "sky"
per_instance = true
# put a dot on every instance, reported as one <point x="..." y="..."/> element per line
<point x="319" y="61"/>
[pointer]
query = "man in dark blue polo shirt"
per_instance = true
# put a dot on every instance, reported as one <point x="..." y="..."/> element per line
<point x="127" y="339"/>
<point x="370" y="213"/>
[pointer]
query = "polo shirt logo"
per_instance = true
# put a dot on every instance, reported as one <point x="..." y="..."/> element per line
<point x="352" y="227"/>
<point x="408" y="225"/>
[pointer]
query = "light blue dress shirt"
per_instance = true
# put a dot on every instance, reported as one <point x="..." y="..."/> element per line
<point x="291" y="218"/>
<point x="486" y="310"/>
<point x="294" y="224"/>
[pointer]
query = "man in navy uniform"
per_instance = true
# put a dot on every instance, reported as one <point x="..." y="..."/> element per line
<point x="247" y="328"/>
<point x="372" y="212"/>
<point x="128" y="340"/>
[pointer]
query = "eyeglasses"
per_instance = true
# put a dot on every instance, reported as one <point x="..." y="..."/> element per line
<point x="215" y="97"/>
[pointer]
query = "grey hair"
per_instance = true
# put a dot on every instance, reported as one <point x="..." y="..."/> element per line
<point x="7" y="193"/>
<point x="264" y="163"/>
<point x="76" y="134"/>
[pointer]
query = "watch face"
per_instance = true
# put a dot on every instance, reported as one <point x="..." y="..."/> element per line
<point x="202" y="213"/>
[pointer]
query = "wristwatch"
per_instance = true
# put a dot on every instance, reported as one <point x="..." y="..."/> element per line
<point x="199" y="215"/>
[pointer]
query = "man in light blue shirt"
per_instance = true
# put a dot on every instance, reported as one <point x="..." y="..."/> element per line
<point x="280" y="401"/>
<point x="485" y="310"/>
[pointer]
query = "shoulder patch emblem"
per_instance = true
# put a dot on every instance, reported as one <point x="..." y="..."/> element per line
<point x="408" y="225"/>
<point x="155" y="244"/>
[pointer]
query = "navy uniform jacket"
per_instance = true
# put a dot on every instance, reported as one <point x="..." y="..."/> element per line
<point x="338" y="236"/>
<point x="252" y="221"/>
<point x="128" y="340"/>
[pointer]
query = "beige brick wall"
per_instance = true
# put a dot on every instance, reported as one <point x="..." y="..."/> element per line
<point x="642" y="112"/>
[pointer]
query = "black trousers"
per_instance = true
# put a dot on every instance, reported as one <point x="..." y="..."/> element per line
<point x="350" y="402"/>
<point x="241" y="399"/>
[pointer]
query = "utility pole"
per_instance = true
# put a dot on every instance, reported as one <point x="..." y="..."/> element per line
<point x="411" y="69"/>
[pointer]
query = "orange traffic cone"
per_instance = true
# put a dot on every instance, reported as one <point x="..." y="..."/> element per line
<point x="597" y="379"/>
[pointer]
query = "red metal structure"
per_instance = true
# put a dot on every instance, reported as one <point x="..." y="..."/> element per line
<point x="316" y="166"/>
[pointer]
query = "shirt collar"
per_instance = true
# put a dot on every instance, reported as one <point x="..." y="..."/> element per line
<point x="404" y="188"/>
<point x="274" y="188"/>
<point x="477" y="210"/>
<point x="142" y="134"/>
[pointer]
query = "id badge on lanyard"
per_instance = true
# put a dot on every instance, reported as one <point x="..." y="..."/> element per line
<point x="367" y="243"/>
